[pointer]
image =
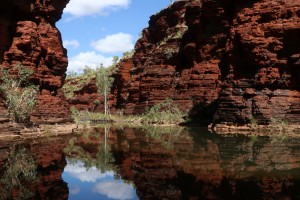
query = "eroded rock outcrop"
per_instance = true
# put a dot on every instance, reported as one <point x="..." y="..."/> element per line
<point x="122" y="82"/>
<point x="29" y="37"/>
<point x="223" y="61"/>
<point x="86" y="97"/>
<point x="262" y="65"/>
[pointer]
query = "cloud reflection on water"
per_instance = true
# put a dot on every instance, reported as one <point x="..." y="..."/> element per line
<point x="75" y="190"/>
<point x="115" y="190"/>
<point x="78" y="170"/>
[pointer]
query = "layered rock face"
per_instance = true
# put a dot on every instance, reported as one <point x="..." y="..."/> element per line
<point x="122" y="81"/>
<point x="261" y="65"/>
<point x="86" y="97"/>
<point x="166" y="63"/>
<point x="223" y="61"/>
<point x="29" y="37"/>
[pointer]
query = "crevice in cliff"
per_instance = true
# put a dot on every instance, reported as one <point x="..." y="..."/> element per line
<point x="232" y="7"/>
<point x="202" y="114"/>
<point x="7" y="31"/>
<point x="291" y="45"/>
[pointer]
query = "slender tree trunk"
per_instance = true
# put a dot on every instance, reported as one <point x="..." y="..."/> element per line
<point x="105" y="140"/>
<point x="105" y="103"/>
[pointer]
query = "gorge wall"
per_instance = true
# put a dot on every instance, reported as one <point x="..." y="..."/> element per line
<point x="29" y="37"/>
<point x="231" y="62"/>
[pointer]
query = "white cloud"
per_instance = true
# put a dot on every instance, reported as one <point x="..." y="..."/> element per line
<point x="71" y="43"/>
<point x="74" y="190"/>
<point x="89" y="58"/>
<point x="78" y="171"/>
<point x="79" y="8"/>
<point x="116" y="43"/>
<point x="115" y="190"/>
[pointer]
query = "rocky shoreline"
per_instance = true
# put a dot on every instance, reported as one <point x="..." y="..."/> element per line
<point x="265" y="130"/>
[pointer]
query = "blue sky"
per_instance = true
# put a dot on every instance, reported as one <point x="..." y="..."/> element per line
<point x="94" y="31"/>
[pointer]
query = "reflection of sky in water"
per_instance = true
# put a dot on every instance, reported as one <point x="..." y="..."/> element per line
<point x="92" y="184"/>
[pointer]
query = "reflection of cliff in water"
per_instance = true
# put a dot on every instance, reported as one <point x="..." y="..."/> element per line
<point x="41" y="178"/>
<point x="169" y="163"/>
<point x="197" y="164"/>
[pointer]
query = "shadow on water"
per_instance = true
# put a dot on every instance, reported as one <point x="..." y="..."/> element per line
<point x="165" y="163"/>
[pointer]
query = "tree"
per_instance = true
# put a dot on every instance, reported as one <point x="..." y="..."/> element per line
<point x="104" y="83"/>
<point x="87" y="70"/>
<point x="115" y="60"/>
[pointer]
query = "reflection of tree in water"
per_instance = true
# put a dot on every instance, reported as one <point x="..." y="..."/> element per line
<point x="104" y="160"/>
<point x="167" y="136"/>
<point x="20" y="170"/>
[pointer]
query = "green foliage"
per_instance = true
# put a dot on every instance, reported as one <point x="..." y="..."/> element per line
<point x="18" y="92"/>
<point x="128" y="54"/>
<point x="169" y="53"/>
<point x="253" y="121"/>
<point x="20" y="169"/>
<point x="104" y="80"/>
<point x="115" y="60"/>
<point x="71" y="75"/>
<point x="96" y="102"/>
<point x="76" y="82"/>
<point x="85" y="117"/>
<point x="74" y="114"/>
<point x="166" y="112"/>
<point x="88" y="71"/>
<point x="279" y="122"/>
<point x="104" y="84"/>
<point x="175" y="33"/>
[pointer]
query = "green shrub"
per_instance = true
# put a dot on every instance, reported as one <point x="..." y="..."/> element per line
<point x="77" y="82"/>
<point x="18" y="92"/>
<point x="253" y="120"/>
<point x="96" y="102"/>
<point x="165" y="112"/>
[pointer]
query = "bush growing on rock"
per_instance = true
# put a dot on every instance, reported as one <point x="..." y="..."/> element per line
<point x="18" y="92"/>
<point x="165" y="112"/>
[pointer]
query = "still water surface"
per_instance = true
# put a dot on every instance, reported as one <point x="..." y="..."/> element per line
<point x="153" y="163"/>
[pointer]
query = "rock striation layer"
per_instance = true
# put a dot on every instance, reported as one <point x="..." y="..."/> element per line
<point x="232" y="62"/>
<point x="86" y="97"/>
<point x="29" y="37"/>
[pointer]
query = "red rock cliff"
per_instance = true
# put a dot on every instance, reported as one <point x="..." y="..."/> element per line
<point x="223" y="61"/>
<point x="29" y="37"/>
